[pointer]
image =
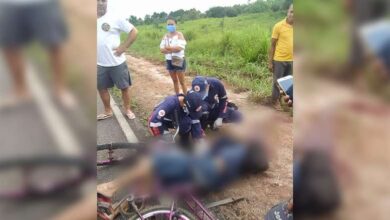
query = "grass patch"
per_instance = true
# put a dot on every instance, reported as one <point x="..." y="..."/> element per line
<point x="232" y="49"/>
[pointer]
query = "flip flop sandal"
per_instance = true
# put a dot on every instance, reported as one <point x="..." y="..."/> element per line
<point x="103" y="116"/>
<point x="130" y="115"/>
<point x="279" y="212"/>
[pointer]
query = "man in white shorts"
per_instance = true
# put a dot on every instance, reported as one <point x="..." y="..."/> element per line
<point x="111" y="60"/>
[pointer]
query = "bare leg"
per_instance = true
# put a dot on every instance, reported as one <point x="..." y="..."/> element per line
<point x="126" y="99"/>
<point x="182" y="81"/>
<point x="14" y="59"/>
<point x="142" y="171"/>
<point x="105" y="96"/>
<point x="175" y="81"/>
<point x="57" y="65"/>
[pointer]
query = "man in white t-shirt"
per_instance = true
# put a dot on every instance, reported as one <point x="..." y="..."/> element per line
<point x="111" y="60"/>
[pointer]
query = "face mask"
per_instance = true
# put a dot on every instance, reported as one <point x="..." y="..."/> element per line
<point x="171" y="28"/>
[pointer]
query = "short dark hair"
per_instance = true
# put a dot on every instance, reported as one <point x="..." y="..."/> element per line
<point x="173" y="19"/>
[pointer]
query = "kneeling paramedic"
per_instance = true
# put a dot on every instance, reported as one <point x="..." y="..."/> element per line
<point x="216" y="108"/>
<point x="181" y="112"/>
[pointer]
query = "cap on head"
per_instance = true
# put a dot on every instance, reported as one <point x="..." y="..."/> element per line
<point x="199" y="85"/>
<point x="193" y="101"/>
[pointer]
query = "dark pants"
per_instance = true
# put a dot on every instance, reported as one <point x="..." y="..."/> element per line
<point x="232" y="115"/>
<point x="281" y="69"/>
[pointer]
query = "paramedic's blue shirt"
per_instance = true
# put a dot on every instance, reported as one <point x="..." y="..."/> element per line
<point x="217" y="93"/>
<point x="165" y="113"/>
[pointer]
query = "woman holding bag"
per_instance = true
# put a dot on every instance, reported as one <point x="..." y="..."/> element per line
<point x="173" y="46"/>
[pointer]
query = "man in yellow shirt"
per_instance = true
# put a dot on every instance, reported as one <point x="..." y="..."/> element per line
<point x="281" y="51"/>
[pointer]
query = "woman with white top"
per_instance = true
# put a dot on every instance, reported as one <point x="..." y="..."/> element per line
<point x="173" y="46"/>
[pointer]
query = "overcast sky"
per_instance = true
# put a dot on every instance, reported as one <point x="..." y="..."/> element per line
<point x="142" y="7"/>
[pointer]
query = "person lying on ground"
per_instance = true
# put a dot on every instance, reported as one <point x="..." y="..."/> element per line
<point x="217" y="109"/>
<point x="223" y="161"/>
<point x="317" y="169"/>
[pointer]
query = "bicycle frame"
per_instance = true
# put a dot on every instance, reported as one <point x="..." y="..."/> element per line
<point x="194" y="205"/>
<point x="198" y="209"/>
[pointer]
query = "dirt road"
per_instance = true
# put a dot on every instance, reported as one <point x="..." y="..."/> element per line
<point x="151" y="83"/>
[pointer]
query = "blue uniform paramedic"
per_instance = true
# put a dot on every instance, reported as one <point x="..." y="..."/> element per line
<point x="216" y="108"/>
<point x="178" y="111"/>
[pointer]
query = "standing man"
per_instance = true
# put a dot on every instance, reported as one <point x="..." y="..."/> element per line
<point x="111" y="60"/>
<point x="24" y="22"/>
<point x="281" y="51"/>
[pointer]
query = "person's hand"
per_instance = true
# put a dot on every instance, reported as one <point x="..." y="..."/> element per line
<point x="271" y="67"/>
<point x="218" y="123"/>
<point x="380" y="67"/>
<point x="119" y="51"/>
<point x="288" y="101"/>
<point x="286" y="98"/>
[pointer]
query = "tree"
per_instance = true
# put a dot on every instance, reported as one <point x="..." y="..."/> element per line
<point x="216" y="12"/>
<point x="286" y="4"/>
<point x="134" y="20"/>
<point x="231" y="12"/>
<point x="148" y="19"/>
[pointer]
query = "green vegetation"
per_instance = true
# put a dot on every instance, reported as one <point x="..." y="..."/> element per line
<point x="253" y="6"/>
<point x="234" y="49"/>
<point x="322" y="32"/>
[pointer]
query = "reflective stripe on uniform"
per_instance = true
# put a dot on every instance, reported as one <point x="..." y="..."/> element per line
<point x="154" y="125"/>
<point x="195" y="121"/>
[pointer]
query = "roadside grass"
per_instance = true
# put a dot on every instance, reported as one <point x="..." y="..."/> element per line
<point x="232" y="49"/>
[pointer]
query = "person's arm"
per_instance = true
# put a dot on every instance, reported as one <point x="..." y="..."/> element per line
<point x="156" y="122"/>
<point x="222" y="97"/>
<point x="180" y="47"/>
<point x="272" y="48"/>
<point x="196" y="130"/>
<point x="271" y="54"/>
<point x="163" y="45"/>
<point x="131" y="37"/>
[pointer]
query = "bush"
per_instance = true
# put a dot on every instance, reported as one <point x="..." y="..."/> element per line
<point x="153" y="35"/>
<point x="226" y="43"/>
<point x="189" y="35"/>
<point x="252" y="45"/>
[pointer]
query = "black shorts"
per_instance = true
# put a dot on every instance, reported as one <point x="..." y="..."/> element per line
<point x="21" y="24"/>
<point x="171" y="68"/>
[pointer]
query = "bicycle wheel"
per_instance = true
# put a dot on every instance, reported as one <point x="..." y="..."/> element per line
<point x="163" y="213"/>
<point x="115" y="153"/>
<point x="41" y="176"/>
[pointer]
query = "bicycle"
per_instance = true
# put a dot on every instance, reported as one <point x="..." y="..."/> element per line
<point x="184" y="206"/>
